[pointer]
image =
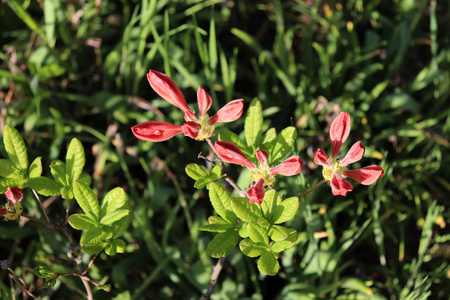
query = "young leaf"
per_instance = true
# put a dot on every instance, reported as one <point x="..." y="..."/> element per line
<point x="94" y="249"/>
<point x="58" y="170"/>
<point x="253" y="124"/>
<point x="35" y="168"/>
<point x="245" y="211"/>
<point x="81" y="222"/>
<point x="258" y="233"/>
<point x="222" y="244"/>
<point x="268" y="264"/>
<point x="270" y="135"/>
<point x="216" y="227"/>
<point x="16" y="149"/>
<point x="114" y="216"/>
<point x="92" y="236"/>
<point x="114" y="199"/>
<point x="116" y="246"/>
<point x="279" y="233"/>
<point x="45" y="186"/>
<point x="281" y="246"/>
<point x="202" y="182"/>
<point x="44" y="272"/>
<point x="195" y="171"/>
<point x="66" y="192"/>
<point x="251" y="249"/>
<point x="6" y="168"/>
<point x="286" y="210"/>
<point x="282" y="145"/>
<point x="87" y="200"/>
<point x="216" y="172"/>
<point x="269" y="204"/>
<point x="75" y="160"/>
<point x="217" y="220"/>
<point x="221" y="201"/>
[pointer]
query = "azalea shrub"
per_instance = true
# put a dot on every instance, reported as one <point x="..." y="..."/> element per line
<point x="252" y="216"/>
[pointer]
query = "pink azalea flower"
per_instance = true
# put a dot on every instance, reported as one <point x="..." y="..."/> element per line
<point x="13" y="208"/>
<point x="198" y="127"/>
<point x="335" y="170"/>
<point x="261" y="175"/>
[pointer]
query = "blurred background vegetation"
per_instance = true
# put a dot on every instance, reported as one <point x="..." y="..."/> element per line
<point x="77" y="69"/>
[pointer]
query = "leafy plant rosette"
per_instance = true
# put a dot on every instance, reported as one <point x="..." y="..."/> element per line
<point x="257" y="228"/>
<point x="102" y="224"/>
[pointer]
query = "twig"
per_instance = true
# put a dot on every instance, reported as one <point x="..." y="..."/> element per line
<point x="216" y="271"/>
<point x="311" y="189"/>
<point x="20" y="283"/>
<point x="42" y="206"/>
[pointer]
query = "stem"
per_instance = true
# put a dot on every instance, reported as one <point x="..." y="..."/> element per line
<point x="311" y="189"/>
<point x="42" y="206"/>
<point x="216" y="271"/>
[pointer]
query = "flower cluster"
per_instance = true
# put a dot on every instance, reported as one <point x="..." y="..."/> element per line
<point x="199" y="127"/>
<point x="261" y="175"/>
<point x="13" y="209"/>
<point x="334" y="169"/>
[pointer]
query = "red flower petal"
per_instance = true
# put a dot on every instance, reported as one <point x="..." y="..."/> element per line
<point x="229" y="113"/>
<point x="339" y="131"/>
<point x="321" y="158"/>
<point x="167" y="89"/>
<point x="289" y="167"/>
<point x="204" y="101"/>
<point x="366" y="175"/>
<point x="155" y="131"/>
<point x="14" y="195"/>
<point x="355" y="153"/>
<point x="256" y="192"/>
<point x="340" y="186"/>
<point x="191" y="129"/>
<point x="3" y="211"/>
<point x="232" y="154"/>
<point x="262" y="157"/>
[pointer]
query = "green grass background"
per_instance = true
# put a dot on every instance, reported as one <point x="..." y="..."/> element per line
<point x="77" y="69"/>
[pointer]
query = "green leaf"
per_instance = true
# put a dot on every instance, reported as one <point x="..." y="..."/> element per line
<point x="66" y="192"/>
<point x="35" y="168"/>
<point x="221" y="201"/>
<point x="281" y="246"/>
<point x="50" y="71"/>
<point x="195" y="171"/>
<point x="216" y="227"/>
<point x="5" y="183"/>
<point x="92" y="236"/>
<point x="286" y="210"/>
<point x="115" y="246"/>
<point x="216" y="172"/>
<point x="114" y="216"/>
<point x="253" y="124"/>
<point x="75" y="160"/>
<point x="58" y="170"/>
<point x="81" y="222"/>
<point x="6" y="168"/>
<point x="251" y="249"/>
<point x="243" y="230"/>
<point x="268" y="264"/>
<point x="45" y="186"/>
<point x="269" y="204"/>
<point x="280" y="233"/>
<point x="16" y="149"/>
<point x="94" y="249"/>
<point x="87" y="200"/>
<point x="222" y="244"/>
<point x="44" y="272"/>
<point x="270" y="135"/>
<point x="113" y="200"/>
<point x="217" y="220"/>
<point x="258" y="233"/>
<point x="202" y="182"/>
<point x="245" y="211"/>
<point x="282" y="145"/>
